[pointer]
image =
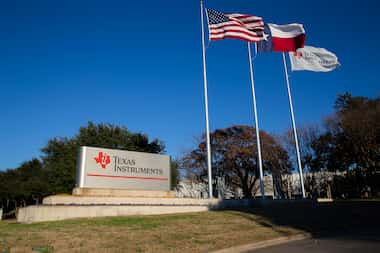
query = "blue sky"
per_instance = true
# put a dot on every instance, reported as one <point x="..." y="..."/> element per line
<point x="138" y="64"/>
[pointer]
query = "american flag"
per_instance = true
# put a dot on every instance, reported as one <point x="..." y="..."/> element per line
<point x="235" y="26"/>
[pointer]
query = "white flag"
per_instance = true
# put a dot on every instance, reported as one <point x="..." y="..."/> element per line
<point x="313" y="59"/>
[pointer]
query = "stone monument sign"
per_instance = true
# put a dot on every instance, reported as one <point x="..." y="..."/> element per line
<point x="119" y="169"/>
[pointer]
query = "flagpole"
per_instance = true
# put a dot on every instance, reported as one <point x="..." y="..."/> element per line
<point x="206" y="105"/>
<point x="256" y="121"/>
<point x="294" y="126"/>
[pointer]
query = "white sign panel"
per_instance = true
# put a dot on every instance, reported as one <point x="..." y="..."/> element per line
<point x="119" y="169"/>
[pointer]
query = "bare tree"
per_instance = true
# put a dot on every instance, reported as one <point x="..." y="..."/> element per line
<point x="234" y="157"/>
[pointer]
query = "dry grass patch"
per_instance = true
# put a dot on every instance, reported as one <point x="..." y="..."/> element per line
<point x="193" y="232"/>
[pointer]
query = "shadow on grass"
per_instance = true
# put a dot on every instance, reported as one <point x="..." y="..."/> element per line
<point x="359" y="220"/>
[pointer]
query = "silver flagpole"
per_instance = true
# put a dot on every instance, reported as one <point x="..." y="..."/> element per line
<point x="206" y="105"/>
<point x="294" y="126"/>
<point x="256" y="121"/>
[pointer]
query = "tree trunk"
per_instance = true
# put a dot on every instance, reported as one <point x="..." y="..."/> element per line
<point x="246" y="191"/>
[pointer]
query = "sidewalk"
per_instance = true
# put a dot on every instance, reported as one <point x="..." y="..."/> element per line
<point x="264" y="244"/>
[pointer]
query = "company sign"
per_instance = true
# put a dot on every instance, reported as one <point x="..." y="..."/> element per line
<point x="119" y="169"/>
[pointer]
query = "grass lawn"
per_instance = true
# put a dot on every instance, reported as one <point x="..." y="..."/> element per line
<point x="193" y="232"/>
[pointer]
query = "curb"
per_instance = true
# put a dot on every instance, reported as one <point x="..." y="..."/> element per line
<point x="264" y="244"/>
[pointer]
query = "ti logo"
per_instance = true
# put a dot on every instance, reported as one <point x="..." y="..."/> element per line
<point x="298" y="54"/>
<point x="103" y="159"/>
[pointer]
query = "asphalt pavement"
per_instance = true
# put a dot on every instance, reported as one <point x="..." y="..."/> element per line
<point x="326" y="245"/>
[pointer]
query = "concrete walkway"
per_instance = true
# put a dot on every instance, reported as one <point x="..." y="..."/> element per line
<point x="328" y="245"/>
<point x="264" y="244"/>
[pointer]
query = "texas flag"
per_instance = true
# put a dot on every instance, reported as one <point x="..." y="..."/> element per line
<point x="282" y="38"/>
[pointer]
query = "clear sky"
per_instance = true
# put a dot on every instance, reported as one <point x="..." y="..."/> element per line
<point x="138" y="64"/>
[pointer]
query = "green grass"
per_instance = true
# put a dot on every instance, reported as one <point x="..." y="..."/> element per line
<point x="193" y="232"/>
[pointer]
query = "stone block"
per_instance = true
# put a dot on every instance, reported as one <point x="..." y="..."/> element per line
<point x="142" y="201"/>
<point x="44" y="213"/>
<point x="122" y="193"/>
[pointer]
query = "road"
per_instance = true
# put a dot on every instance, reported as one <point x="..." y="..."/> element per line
<point x="328" y="245"/>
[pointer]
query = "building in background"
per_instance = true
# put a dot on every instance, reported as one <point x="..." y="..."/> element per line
<point x="287" y="186"/>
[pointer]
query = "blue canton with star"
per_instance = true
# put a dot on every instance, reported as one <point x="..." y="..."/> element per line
<point x="265" y="45"/>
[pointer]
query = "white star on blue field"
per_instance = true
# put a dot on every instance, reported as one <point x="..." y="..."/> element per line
<point x="138" y="64"/>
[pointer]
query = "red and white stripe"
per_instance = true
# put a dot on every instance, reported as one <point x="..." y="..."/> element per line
<point x="287" y="38"/>
<point x="240" y="26"/>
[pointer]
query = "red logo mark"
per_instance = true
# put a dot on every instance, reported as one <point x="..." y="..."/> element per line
<point x="103" y="159"/>
<point x="298" y="54"/>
